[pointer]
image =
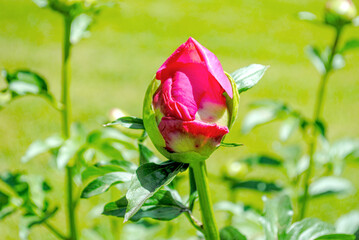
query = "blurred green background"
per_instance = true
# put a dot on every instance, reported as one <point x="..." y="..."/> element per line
<point x="129" y="42"/>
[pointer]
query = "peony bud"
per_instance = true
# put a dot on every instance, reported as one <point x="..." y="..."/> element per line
<point x="190" y="105"/>
<point x="339" y="12"/>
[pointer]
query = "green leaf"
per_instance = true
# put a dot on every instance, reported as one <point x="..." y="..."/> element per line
<point x="4" y="200"/>
<point x="262" y="160"/>
<point x="248" y="77"/>
<point x="278" y="214"/>
<point x="330" y="185"/>
<point x="350" y="45"/>
<point x="103" y="168"/>
<point x="149" y="178"/>
<point x="314" y="56"/>
<point x="348" y="223"/>
<point x="41" y="3"/>
<point x="30" y="220"/>
<point x="102" y="184"/>
<point x="146" y="155"/>
<point x="231" y="233"/>
<point x="231" y="144"/>
<point x="355" y="21"/>
<point x="230" y="207"/>
<point x="338" y="61"/>
<point x="160" y="206"/>
<point x="42" y="146"/>
<point x="7" y="210"/>
<point x="309" y="229"/>
<point x="320" y="127"/>
<point x="257" y="185"/>
<point x="24" y="82"/>
<point x="16" y="182"/>
<point x="71" y="146"/>
<point x="289" y="126"/>
<point x="307" y="16"/>
<point x="265" y="112"/>
<point x="128" y="122"/>
<point x="79" y="28"/>
<point x="336" y="237"/>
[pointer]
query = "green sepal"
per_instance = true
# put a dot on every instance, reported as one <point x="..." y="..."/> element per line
<point x="232" y="103"/>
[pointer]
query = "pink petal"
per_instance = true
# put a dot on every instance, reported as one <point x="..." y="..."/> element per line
<point x="191" y="135"/>
<point x="193" y="52"/>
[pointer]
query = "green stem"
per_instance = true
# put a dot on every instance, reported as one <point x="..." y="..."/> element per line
<point x="208" y="219"/>
<point x="66" y="113"/>
<point x="192" y="187"/>
<point x="233" y="199"/>
<point x="55" y="231"/>
<point x="195" y="223"/>
<point x="312" y="142"/>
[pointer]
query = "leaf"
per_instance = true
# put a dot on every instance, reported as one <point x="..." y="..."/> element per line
<point x="355" y="21"/>
<point x="149" y="178"/>
<point x="102" y="184"/>
<point x="248" y="77"/>
<point x="79" y="28"/>
<point x="350" y="45"/>
<point x="231" y="144"/>
<point x="258" y="117"/>
<point x="4" y="200"/>
<point x="128" y="122"/>
<point x="330" y="185"/>
<point x="336" y="237"/>
<point x="257" y="185"/>
<point x="231" y="233"/>
<point x="309" y="229"/>
<point x="338" y="61"/>
<point x="146" y="155"/>
<point x="103" y="168"/>
<point x="230" y="207"/>
<point x="348" y="223"/>
<point x="71" y="146"/>
<point x="265" y="112"/>
<point x="314" y="56"/>
<point x="320" y="127"/>
<point x="30" y="220"/>
<point x="307" y="16"/>
<point x="278" y="214"/>
<point x="42" y="146"/>
<point x="262" y="160"/>
<point x="160" y="206"/>
<point x="41" y="3"/>
<point x="24" y="82"/>
<point x="7" y="210"/>
<point x="288" y="128"/>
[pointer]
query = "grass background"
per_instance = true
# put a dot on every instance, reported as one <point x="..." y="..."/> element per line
<point x="129" y="43"/>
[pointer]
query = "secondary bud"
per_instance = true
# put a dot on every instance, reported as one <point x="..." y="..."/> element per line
<point x="339" y="12"/>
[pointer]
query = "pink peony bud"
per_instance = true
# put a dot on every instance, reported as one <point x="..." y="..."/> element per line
<point x="193" y="104"/>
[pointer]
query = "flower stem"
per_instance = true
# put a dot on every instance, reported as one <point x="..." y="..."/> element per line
<point x="209" y="224"/>
<point x="55" y="231"/>
<point x="312" y="142"/>
<point x="66" y="112"/>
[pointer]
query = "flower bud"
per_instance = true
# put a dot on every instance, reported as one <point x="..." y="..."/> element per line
<point x="190" y="105"/>
<point x="339" y="12"/>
